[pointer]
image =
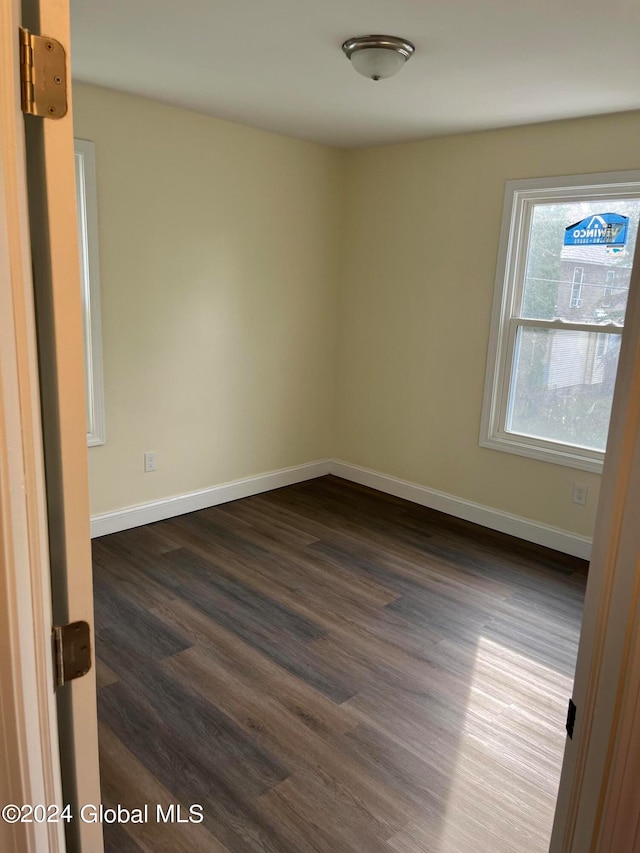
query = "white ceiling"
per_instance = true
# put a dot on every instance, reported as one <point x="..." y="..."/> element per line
<point x="278" y="64"/>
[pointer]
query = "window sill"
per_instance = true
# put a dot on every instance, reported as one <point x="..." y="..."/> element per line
<point x="520" y="445"/>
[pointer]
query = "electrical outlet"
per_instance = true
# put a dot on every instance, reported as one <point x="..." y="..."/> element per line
<point x="579" y="494"/>
<point x="150" y="461"/>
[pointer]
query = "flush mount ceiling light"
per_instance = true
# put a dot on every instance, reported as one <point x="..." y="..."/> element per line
<point x="378" y="57"/>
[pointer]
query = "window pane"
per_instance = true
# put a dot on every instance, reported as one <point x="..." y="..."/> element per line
<point x="579" y="284"/>
<point x="562" y="385"/>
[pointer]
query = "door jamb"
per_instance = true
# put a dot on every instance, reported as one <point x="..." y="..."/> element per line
<point x="28" y="715"/>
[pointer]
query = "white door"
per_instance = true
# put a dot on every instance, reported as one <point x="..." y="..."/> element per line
<point x="52" y="530"/>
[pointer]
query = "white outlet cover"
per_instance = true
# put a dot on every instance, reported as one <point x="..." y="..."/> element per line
<point x="580" y="494"/>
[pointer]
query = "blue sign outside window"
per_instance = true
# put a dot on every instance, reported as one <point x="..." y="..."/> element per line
<point x="600" y="229"/>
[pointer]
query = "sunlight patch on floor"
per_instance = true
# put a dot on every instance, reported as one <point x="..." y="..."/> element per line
<point x="502" y="785"/>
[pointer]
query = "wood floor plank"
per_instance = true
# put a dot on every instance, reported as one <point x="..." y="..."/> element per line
<point x="300" y="734"/>
<point x="127" y="634"/>
<point x="225" y="600"/>
<point x="118" y="840"/>
<point x="291" y="577"/>
<point x="203" y="734"/>
<point x="463" y="832"/>
<point x="316" y="822"/>
<point x="148" y="539"/>
<point x="351" y="509"/>
<point x="340" y="804"/>
<point x="126" y="781"/>
<point x="231" y="662"/>
<point x="104" y="675"/>
<point x="281" y="534"/>
<point x="192" y="765"/>
<point x="327" y="669"/>
<point x="135" y="574"/>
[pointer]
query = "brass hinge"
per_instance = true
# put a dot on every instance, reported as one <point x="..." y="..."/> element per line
<point x="43" y="76"/>
<point x="71" y="651"/>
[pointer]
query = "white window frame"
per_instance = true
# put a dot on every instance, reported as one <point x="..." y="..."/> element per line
<point x="87" y="206"/>
<point x="519" y="199"/>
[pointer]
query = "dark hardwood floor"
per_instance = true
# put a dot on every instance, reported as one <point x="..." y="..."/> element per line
<point x="325" y="668"/>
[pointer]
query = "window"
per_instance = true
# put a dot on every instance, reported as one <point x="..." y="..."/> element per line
<point x="562" y="283"/>
<point x="576" y="288"/>
<point x="87" y="206"/>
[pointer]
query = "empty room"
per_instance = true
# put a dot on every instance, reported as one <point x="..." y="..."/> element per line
<point x="338" y="394"/>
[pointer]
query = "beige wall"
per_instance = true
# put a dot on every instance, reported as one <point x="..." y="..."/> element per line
<point x="419" y="267"/>
<point x="218" y="276"/>
<point x="229" y="257"/>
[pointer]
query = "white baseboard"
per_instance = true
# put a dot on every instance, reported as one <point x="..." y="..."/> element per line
<point x="134" y="516"/>
<point x="523" y="528"/>
<point x="495" y="519"/>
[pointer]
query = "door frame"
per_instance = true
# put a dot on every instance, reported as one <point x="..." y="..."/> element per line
<point x="28" y="716"/>
<point x="51" y="190"/>
<point x="45" y="551"/>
